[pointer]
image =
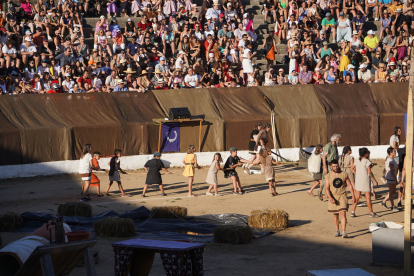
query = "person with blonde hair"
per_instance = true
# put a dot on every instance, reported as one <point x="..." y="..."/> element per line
<point x="190" y="162"/>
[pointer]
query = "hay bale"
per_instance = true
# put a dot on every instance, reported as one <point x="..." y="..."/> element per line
<point x="75" y="209"/>
<point x="169" y="212"/>
<point x="10" y="221"/>
<point x="268" y="219"/>
<point x="233" y="234"/>
<point x="114" y="227"/>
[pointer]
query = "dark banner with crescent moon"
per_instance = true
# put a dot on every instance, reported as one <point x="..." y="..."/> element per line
<point x="170" y="137"/>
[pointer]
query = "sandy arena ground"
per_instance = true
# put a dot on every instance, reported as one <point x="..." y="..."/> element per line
<point x="308" y="244"/>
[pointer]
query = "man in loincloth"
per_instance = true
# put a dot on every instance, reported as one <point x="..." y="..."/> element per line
<point x="330" y="152"/>
<point x="336" y="183"/>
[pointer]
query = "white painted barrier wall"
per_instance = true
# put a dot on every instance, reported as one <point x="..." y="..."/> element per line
<point x="138" y="161"/>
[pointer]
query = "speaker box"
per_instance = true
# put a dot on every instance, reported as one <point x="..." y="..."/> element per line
<point x="179" y="113"/>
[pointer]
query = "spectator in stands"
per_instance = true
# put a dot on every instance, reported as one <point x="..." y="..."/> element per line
<point x="305" y="76"/>
<point x="328" y="25"/>
<point x="371" y="42"/>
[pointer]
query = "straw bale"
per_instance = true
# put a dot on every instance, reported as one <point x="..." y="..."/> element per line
<point x="10" y="221"/>
<point x="268" y="219"/>
<point x="233" y="234"/>
<point x="75" y="209"/>
<point x="114" y="227"/>
<point x="169" y="212"/>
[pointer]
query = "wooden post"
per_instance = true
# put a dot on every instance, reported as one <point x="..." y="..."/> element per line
<point x="159" y="138"/>
<point x="408" y="176"/>
<point x="89" y="261"/>
<point x="47" y="264"/>
<point x="199" y="138"/>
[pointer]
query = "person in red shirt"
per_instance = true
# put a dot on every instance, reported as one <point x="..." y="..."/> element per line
<point x="221" y="83"/>
<point x="84" y="79"/>
<point x="55" y="89"/>
<point x="209" y="44"/>
<point x="316" y="75"/>
<point x="144" y="24"/>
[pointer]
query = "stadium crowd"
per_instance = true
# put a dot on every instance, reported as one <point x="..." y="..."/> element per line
<point x="176" y="44"/>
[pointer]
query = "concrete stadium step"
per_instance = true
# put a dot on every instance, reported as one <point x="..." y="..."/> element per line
<point x="91" y="21"/>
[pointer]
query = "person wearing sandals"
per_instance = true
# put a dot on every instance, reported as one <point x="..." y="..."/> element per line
<point x="363" y="178"/>
<point x="85" y="165"/>
<point x="115" y="168"/>
<point x="391" y="168"/>
<point x="212" y="174"/>
<point x="153" y="168"/>
<point x="190" y="162"/>
<point x="268" y="161"/>
<point x="315" y="168"/>
<point x="336" y="182"/>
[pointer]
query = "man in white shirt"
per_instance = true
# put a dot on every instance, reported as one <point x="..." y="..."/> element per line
<point x="364" y="75"/>
<point x="112" y="80"/>
<point x="68" y="83"/>
<point x="191" y="80"/>
<point x="206" y="31"/>
<point x="239" y="32"/>
<point x="28" y="50"/>
<point x="215" y="11"/>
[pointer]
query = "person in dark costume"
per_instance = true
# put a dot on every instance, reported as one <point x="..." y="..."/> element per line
<point x="153" y="168"/>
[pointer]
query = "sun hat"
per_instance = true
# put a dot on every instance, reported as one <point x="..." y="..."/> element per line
<point x="120" y="82"/>
<point x="129" y="71"/>
<point x="158" y="71"/>
<point x="144" y="72"/>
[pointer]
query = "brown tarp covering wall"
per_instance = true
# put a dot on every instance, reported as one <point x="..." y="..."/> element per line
<point x="391" y="101"/>
<point x="10" y="143"/>
<point x="199" y="102"/>
<point x="351" y="112"/>
<point x="241" y="108"/>
<point x="44" y="134"/>
<point x="91" y="121"/>
<point x="299" y="115"/>
<point x="136" y="112"/>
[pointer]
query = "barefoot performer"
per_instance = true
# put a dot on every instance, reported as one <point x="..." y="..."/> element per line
<point x="95" y="166"/>
<point x="190" y="162"/>
<point x="212" y="174"/>
<point x="268" y="161"/>
<point x="336" y="182"/>
<point x="115" y="168"/>
<point x="230" y="170"/>
<point x="315" y="168"/>
<point x="153" y="167"/>
<point x="85" y="165"/>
